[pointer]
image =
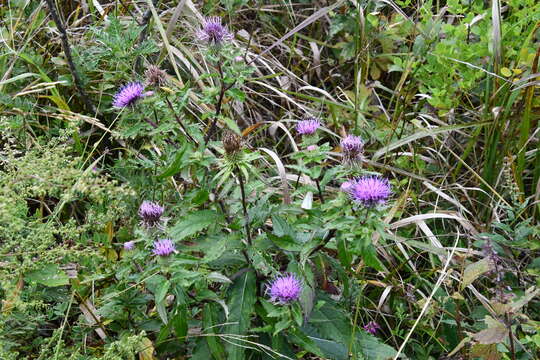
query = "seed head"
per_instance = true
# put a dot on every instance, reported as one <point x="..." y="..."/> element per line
<point x="129" y="94"/>
<point x="308" y="126"/>
<point x="370" y="191"/>
<point x="150" y="213"/>
<point x="164" y="247"/>
<point x="284" y="289"/>
<point x="155" y="76"/>
<point x="213" y="32"/>
<point x="232" y="143"/>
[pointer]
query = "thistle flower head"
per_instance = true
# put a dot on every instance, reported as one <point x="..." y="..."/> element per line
<point x="129" y="245"/>
<point x="372" y="327"/>
<point x="308" y="126"/>
<point x="150" y="213"/>
<point x="347" y="186"/>
<point x="284" y="289"/>
<point x="352" y="147"/>
<point x="129" y="94"/>
<point x="155" y="76"/>
<point x="312" y="148"/>
<point x="370" y="191"/>
<point x="213" y="32"/>
<point x="163" y="247"/>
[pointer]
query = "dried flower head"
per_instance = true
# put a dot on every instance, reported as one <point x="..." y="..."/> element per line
<point x="150" y="213"/>
<point x="164" y="247"/>
<point x="129" y="94"/>
<point x="232" y="143"/>
<point x="352" y="147"/>
<point x="308" y="126"/>
<point x="155" y="76"/>
<point x="129" y="245"/>
<point x="372" y="327"/>
<point x="284" y="289"/>
<point x="213" y="32"/>
<point x="370" y="191"/>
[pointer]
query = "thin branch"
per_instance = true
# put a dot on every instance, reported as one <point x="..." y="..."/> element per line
<point x="67" y="51"/>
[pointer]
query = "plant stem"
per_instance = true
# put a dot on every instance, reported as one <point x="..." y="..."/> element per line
<point x="512" y="346"/>
<point x="244" y="205"/>
<point x="219" y="103"/>
<point x="178" y="120"/>
<point x="67" y="51"/>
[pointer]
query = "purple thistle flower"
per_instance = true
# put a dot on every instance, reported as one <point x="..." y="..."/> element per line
<point x="129" y="94"/>
<point x="370" y="190"/>
<point x="372" y="327"/>
<point x="347" y="186"/>
<point x="352" y="147"/>
<point x="284" y="289"/>
<point x="129" y="245"/>
<point x="308" y="126"/>
<point x="213" y="32"/>
<point x="150" y="213"/>
<point x="164" y="247"/>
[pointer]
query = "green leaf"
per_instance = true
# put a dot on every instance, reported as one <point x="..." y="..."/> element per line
<point x="285" y="242"/>
<point x="193" y="223"/>
<point x="161" y="291"/>
<point x="209" y="322"/>
<point x="369" y="254"/>
<point x="297" y="337"/>
<point x="49" y="275"/>
<point x="176" y="165"/>
<point x="237" y="94"/>
<point x="474" y="271"/>
<point x="179" y="322"/>
<point x="281" y="227"/>
<point x="243" y="295"/>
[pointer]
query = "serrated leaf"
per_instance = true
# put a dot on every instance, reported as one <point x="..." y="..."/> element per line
<point x="474" y="271"/>
<point x="193" y="223"/>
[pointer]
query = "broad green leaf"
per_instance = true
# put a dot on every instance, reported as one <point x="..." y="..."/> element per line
<point x="474" y="271"/>
<point x="193" y="223"/>
<point x="243" y="296"/>
<point x="179" y="322"/>
<point x="49" y="275"/>
<point x="209" y="322"/>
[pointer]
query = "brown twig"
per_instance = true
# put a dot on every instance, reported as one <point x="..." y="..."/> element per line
<point x="67" y="51"/>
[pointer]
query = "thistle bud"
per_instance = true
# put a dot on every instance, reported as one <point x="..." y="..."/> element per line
<point x="155" y="76"/>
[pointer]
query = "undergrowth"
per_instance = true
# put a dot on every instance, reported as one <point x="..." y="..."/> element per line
<point x="247" y="180"/>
